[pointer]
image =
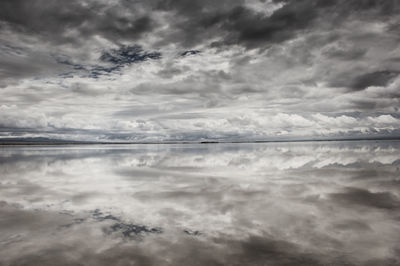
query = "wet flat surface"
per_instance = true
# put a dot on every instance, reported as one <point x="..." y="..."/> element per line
<point x="323" y="203"/>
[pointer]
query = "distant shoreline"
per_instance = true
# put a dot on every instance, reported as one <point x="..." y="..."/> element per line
<point x="70" y="143"/>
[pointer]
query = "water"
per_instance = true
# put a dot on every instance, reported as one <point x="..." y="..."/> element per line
<point x="325" y="203"/>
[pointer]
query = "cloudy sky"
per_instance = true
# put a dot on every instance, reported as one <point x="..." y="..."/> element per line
<point x="193" y="70"/>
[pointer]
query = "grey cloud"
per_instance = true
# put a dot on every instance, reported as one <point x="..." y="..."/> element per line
<point x="381" y="200"/>
<point x="376" y="7"/>
<point x="257" y="250"/>
<point x="84" y="89"/>
<point x="253" y="29"/>
<point x="379" y="78"/>
<point x="352" y="225"/>
<point x="363" y="81"/>
<point x="237" y="24"/>
<point x="345" y="54"/>
<point x="23" y="63"/>
<point x="52" y="20"/>
<point x="364" y="104"/>
<point x="260" y="58"/>
<point x="232" y="23"/>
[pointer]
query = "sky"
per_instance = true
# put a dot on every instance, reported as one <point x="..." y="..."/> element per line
<point x="175" y="70"/>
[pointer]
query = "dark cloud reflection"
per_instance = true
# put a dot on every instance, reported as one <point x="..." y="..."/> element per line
<point x="331" y="203"/>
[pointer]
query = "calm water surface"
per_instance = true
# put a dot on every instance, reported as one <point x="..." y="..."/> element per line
<point x="325" y="203"/>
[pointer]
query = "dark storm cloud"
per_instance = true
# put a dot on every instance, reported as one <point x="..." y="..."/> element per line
<point x="51" y="20"/>
<point x="358" y="82"/>
<point x="255" y="29"/>
<point x="362" y="197"/>
<point x="275" y="59"/>
<point x="379" y="78"/>
<point x="198" y="21"/>
<point x="348" y="6"/>
<point x="236" y="23"/>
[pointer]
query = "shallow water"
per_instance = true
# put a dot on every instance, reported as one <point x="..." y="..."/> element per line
<point x="322" y="203"/>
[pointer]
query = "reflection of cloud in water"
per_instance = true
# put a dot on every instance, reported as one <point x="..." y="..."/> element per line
<point x="235" y="204"/>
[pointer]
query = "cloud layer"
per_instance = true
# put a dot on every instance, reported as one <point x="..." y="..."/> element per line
<point x="173" y="70"/>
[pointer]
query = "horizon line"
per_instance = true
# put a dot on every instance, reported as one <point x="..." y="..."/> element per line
<point x="27" y="141"/>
